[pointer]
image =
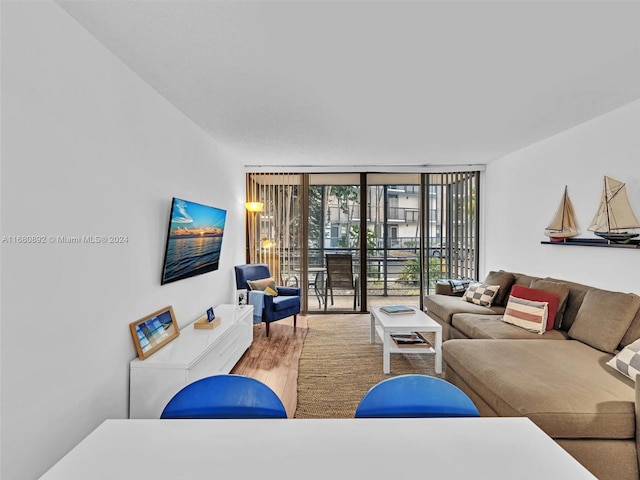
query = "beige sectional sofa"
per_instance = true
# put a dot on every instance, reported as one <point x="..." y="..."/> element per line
<point x="559" y="379"/>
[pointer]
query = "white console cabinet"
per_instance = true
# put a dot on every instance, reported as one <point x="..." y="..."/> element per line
<point x="194" y="354"/>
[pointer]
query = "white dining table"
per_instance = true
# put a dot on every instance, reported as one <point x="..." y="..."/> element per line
<point x="442" y="448"/>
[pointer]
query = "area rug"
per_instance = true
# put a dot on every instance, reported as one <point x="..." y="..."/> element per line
<point x="338" y="365"/>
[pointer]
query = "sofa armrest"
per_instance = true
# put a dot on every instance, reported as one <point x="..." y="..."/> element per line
<point x="444" y="288"/>
<point x="268" y="303"/>
<point x="289" y="291"/>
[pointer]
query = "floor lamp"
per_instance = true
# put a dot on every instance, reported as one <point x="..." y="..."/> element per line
<point x="253" y="208"/>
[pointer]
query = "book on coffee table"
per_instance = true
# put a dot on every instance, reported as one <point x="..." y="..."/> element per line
<point x="396" y="309"/>
<point x="413" y="339"/>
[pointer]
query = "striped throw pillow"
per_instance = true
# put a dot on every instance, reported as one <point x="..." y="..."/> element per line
<point x="481" y="294"/>
<point x="527" y="314"/>
<point x="526" y="293"/>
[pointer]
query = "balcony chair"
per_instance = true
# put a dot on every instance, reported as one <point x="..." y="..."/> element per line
<point x="340" y="275"/>
<point x="225" y="396"/>
<point x="415" y="396"/>
<point x="275" y="307"/>
<point x="316" y="282"/>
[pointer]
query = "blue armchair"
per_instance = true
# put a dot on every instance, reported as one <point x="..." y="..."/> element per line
<point x="285" y="304"/>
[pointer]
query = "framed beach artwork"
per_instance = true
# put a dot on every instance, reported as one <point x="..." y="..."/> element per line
<point x="194" y="240"/>
<point x="154" y="331"/>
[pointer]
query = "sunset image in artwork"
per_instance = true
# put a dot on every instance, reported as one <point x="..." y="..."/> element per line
<point x="194" y="240"/>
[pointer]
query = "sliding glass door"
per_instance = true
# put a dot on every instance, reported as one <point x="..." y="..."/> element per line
<point x="393" y="239"/>
<point x="333" y="243"/>
<point x="353" y="240"/>
<point x="451" y="219"/>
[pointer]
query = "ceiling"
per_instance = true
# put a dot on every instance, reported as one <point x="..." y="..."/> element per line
<point x="372" y="83"/>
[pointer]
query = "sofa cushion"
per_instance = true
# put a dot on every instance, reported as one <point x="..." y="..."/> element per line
<point x="535" y="295"/>
<point x="627" y="361"/>
<point x="577" y="291"/>
<point x="556" y="288"/>
<point x="444" y="307"/>
<point x="524" y="280"/>
<point x="266" y="285"/>
<point x="492" y="326"/>
<point x="504" y="280"/>
<point x="566" y="388"/>
<point x="603" y="318"/>
<point x="481" y="294"/>
<point x="633" y="332"/>
<point x="527" y="314"/>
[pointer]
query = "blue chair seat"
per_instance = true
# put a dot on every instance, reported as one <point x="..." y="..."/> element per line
<point x="412" y="396"/>
<point x="282" y="303"/>
<point x="225" y="396"/>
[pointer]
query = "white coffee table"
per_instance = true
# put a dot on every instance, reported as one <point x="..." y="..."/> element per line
<point x="384" y="325"/>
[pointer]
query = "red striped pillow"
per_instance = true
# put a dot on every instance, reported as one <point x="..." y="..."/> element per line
<point x="551" y="298"/>
<point x="527" y="314"/>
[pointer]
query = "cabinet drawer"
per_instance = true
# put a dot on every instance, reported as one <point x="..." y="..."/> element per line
<point x="218" y="355"/>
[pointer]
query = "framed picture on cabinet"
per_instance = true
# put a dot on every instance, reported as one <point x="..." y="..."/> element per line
<point x="243" y="297"/>
<point x="154" y="331"/>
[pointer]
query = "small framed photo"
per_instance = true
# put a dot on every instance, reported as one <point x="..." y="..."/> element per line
<point x="242" y="297"/>
<point x="154" y="331"/>
<point x="210" y="315"/>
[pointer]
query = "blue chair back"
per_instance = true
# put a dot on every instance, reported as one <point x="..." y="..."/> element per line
<point x="252" y="271"/>
<point x="225" y="396"/>
<point x="413" y="396"/>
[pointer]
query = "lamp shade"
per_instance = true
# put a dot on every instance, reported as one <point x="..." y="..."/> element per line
<point x="254" y="206"/>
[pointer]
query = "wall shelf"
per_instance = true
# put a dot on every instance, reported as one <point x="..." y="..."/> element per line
<point x="595" y="242"/>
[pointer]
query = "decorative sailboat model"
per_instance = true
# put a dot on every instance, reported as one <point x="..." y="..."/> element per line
<point x="563" y="224"/>
<point x="614" y="216"/>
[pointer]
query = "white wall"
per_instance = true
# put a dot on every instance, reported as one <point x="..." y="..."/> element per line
<point x="523" y="190"/>
<point x="89" y="149"/>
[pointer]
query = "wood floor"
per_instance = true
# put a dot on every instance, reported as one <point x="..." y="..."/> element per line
<point x="274" y="360"/>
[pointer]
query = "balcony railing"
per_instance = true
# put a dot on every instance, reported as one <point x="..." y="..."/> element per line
<point x="396" y="214"/>
<point x="392" y="271"/>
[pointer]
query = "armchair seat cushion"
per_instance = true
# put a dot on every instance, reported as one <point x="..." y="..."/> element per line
<point x="282" y="302"/>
